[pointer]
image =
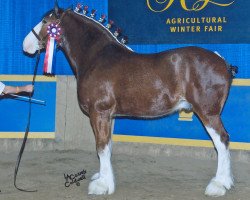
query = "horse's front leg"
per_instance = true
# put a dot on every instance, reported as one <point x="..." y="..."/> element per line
<point x="103" y="181"/>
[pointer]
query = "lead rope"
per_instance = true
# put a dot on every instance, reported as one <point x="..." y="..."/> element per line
<point x="19" y="157"/>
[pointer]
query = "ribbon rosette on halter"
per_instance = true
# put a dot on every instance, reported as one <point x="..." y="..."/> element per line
<point x="54" y="33"/>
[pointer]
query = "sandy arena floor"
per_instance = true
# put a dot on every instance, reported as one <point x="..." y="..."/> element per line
<point x="137" y="177"/>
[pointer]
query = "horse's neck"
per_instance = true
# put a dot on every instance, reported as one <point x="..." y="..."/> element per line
<point x="83" y="40"/>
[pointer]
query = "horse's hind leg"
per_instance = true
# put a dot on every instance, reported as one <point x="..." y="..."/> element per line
<point x="223" y="179"/>
<point x="102" y="182"/>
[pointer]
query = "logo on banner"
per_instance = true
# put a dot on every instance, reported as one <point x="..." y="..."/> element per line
<point x="198" y="5"/>
<point x="190" y="24"/>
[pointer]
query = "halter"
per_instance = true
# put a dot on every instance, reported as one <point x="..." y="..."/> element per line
<point x="37" y="36"/>
<point x="42" y="40"/>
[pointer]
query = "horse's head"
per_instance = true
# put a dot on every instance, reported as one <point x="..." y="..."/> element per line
<point x="37" y="38"/>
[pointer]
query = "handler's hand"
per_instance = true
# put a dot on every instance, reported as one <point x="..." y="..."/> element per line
<point x="28" y="88"/>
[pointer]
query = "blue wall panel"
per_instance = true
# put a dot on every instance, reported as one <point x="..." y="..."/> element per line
<point x="14" y="111"/>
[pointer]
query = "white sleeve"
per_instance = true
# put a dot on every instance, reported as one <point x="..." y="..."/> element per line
<point x="2" y="86"/>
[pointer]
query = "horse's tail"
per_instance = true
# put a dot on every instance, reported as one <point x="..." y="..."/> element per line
<point x="233" y="70"/>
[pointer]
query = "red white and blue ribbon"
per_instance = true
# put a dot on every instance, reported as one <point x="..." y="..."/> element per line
<point x="54" y="32"/>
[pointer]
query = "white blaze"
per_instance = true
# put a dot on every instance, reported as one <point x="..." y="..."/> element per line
<point x="30" y="43"/>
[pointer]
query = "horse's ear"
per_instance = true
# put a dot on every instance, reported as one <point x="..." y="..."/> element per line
<point x="56" y="8"/>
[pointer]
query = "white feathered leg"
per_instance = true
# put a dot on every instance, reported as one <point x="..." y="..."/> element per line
<point x="223" y="179"/>
<point x="103" y="182"/>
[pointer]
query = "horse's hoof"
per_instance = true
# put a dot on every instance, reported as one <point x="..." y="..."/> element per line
<point x="215" y="189"/>
<point x="100" y="186"/>
<point x="228" y="183"/>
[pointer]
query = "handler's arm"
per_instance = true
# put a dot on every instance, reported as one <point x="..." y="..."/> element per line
<point x="13" y="90"/>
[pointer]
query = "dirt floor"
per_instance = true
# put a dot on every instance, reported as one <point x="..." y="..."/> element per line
<point x="137" y="177"/>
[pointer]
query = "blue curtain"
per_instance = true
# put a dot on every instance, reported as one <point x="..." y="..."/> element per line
<point x="17" y="18"/>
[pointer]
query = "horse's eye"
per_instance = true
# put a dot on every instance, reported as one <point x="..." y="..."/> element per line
<point x="44" y="21"/>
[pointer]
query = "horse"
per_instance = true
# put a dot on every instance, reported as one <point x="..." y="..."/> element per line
<point x="112" y="80"/>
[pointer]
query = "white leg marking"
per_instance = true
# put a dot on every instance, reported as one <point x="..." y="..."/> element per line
<point x="95" y="176"/>
<point x="30" y="43"/>
<point x="103" y="182"/>
<point x="223" y="179"/>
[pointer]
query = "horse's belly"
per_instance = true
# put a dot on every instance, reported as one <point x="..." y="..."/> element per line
<point x="151" y="107"/>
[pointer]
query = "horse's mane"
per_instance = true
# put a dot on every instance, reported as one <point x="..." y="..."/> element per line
<point x="98" y="25"/>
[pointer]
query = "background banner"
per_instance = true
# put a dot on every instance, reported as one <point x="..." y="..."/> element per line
<point x="182" y="21"/>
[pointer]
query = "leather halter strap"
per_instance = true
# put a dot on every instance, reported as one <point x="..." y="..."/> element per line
<point x="19" y="157"/>
<point x="37" y="36"/>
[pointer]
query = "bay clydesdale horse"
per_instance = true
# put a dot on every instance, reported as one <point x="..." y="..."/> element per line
<point x="112" y="80"/>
